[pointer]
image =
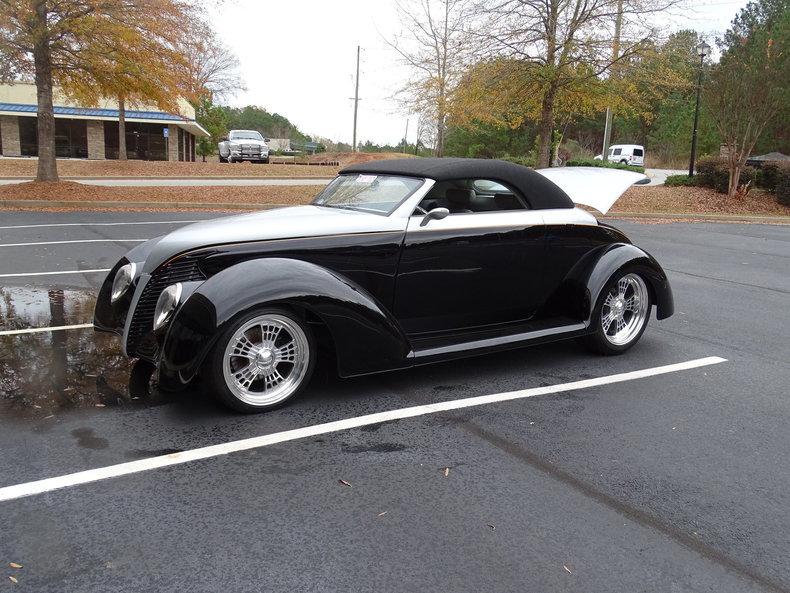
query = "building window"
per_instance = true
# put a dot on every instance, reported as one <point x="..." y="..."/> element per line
<point x="71" y="138"/>
<point x="143" y="141"/>
<point x="180" y="144"/>
<point x="28" y="136"/>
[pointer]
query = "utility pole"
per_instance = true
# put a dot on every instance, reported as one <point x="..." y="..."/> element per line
<point x="406" y="135"/>
<point x="356" y="106"/>
<point x="607" y="131"/>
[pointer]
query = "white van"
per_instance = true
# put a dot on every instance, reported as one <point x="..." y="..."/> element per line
<point x="627" y="154"/>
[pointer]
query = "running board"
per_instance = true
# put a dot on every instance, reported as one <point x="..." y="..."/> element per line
<point x="500" y="341"/>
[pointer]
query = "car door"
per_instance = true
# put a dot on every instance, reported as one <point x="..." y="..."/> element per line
<point x="481" y="265"/>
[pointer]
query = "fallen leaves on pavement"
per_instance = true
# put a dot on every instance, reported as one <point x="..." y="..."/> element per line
<point x="345" y="483"/>
<point x="14" y="565"/>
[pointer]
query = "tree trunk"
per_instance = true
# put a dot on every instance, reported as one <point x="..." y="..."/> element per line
<point x="42" y="58"/>
<point x="545" y="128"/>
<point x="121" y="129"/>
<point x="735" y="178"/>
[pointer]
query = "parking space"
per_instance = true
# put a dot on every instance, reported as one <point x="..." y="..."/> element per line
<point x="670" y="480"/>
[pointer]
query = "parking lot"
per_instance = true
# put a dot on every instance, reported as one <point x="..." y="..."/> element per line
<point x="590" y="477"/>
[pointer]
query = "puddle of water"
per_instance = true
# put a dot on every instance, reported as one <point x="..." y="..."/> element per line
<point x="44" y="374"/>
<point x="23" y="307"/>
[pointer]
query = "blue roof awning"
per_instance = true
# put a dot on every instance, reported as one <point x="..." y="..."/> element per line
<point x="95" y="112"/>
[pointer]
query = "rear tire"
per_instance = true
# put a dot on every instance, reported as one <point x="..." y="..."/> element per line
<point x="263" y="359"/>
<point x="222" y="159"/>
<point x="621" y="314"/>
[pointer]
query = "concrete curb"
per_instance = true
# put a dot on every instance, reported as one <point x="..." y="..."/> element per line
<point x="92" y="204"/>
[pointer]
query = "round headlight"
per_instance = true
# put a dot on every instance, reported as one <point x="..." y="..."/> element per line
<point x="166" y="304"/>
<point x="122" y="281"/>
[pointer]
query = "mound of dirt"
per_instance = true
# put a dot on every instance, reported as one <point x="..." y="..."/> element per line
<point x="352" y="158"/>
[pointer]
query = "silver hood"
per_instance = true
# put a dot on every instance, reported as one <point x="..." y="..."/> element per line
<point x="279" y="223"/>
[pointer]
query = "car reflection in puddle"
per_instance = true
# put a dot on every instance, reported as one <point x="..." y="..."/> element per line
<point x="45" y="373"/>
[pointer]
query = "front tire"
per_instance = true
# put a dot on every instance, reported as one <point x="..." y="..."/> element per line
<point x="620" y="315"/>
<point x="263" y="359"/>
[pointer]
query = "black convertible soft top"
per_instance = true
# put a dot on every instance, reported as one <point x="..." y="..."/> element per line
<point x="539" y="191"/>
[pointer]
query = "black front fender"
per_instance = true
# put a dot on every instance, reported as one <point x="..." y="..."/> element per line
<point x="366" y="337"/>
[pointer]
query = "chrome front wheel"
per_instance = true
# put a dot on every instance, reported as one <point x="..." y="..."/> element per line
<point x="262" y="360"/>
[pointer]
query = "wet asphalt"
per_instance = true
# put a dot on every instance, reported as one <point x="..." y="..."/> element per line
<point x="672" y="483"/>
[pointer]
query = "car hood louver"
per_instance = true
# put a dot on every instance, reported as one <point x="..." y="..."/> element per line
<point x="596" y="187"/>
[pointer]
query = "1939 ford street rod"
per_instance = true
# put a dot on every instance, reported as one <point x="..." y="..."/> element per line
<point x="394" y="264"/>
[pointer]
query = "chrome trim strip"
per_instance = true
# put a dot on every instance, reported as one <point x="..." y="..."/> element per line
<point x="502" y="220"/>
<point x="500" y="341"/>
<point x="568" y="216"/>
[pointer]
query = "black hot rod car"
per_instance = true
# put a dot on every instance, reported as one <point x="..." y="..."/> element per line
<point x="395" y="263"/>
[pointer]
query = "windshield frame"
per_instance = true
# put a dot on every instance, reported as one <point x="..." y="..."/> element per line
<point x="420" y="186"/>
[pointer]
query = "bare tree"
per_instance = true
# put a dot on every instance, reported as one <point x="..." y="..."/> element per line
<point x="435" y="46"/>
<point x="564" y="41"/>
<point x="210" y="69"/>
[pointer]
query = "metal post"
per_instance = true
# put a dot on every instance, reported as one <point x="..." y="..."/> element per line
<point x="607" y="134"/>
<point x="607" y="131"/>
<point x="356" y="104"/>
<point x="696" y="120"/>
<point x="406" y="136"/>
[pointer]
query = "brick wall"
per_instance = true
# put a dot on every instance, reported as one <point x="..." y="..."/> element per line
<point x="96" y="140"/>
<point x="172" y="143"/>
<point x="9" y="128"/>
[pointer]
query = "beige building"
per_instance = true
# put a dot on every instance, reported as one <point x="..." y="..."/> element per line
<point x="92" y="132"/>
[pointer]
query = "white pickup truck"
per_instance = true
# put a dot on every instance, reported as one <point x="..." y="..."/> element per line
<point x="244" y="145"/>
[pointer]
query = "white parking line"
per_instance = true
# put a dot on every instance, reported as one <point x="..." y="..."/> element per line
<point x="74" y="241"/>
<point x="150" y="463"/>
<point x="35" y="226"/>
<point x="36" y="330"/>
<point x="54" y="273"/>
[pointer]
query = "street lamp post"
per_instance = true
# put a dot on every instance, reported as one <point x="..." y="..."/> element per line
<point x="703" y="51"/>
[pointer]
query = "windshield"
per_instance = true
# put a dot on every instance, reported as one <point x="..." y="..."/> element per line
<point x="380" y="194"/>
<point x="246" y="135"/>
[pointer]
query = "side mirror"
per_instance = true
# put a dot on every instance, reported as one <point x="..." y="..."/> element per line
<point x="435" y="214"/>
<point x="267" y="140"/>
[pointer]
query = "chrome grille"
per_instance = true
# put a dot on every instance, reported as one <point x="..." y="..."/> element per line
<point x="140" y="340"/>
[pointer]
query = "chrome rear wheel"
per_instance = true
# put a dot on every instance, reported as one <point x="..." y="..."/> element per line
<point x="625" y="310"/>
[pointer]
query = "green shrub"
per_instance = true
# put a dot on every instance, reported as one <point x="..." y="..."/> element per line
<point x="602" y="163"/>
<point x="782" y="187"/>
<point x="681" y="180"/>
<point x="714" y="172"/>
<point x="526" y="160"/>
<point x="768" y="174"/>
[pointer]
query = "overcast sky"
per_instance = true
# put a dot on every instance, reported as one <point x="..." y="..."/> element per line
<point x="298" y="58"/>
